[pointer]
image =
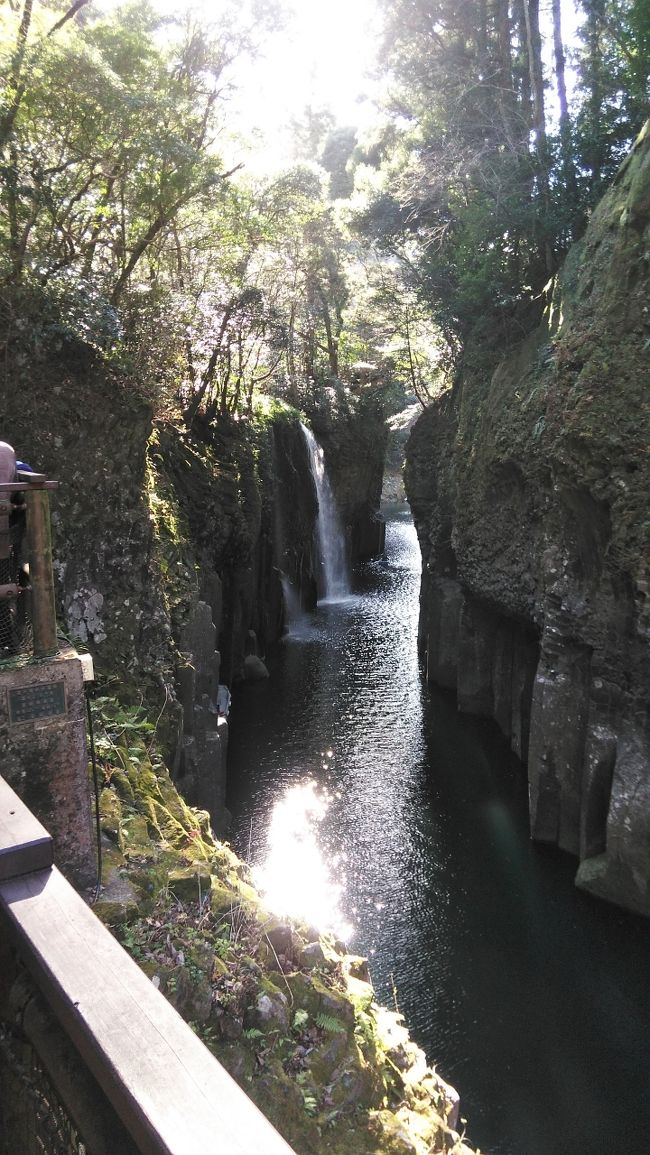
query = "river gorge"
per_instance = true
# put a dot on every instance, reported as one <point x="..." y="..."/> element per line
<point x="334" y="740"/>
<point x="408" y="821"/>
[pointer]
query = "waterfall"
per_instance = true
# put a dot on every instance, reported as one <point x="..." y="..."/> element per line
<point x="335" y="582"/>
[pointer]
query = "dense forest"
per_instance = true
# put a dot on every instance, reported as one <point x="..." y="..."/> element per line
<point x="123" y="224"/>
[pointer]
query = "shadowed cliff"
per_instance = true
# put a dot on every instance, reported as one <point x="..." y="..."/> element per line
<point x="529" y="485"/>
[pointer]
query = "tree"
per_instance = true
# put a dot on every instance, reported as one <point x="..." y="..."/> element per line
<point x="614" y="72"/>
<point x="109" y="133"/>
<point x="482" y="193"/>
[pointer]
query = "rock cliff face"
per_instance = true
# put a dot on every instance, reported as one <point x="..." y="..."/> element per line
<point x="529" y="487"/>
<point x="170" y="548"/>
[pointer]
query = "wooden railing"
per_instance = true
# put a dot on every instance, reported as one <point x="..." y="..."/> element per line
<point x="168" y="1090"/>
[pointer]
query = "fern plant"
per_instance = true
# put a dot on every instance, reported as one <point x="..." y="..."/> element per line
<point x="330" y="1024"/>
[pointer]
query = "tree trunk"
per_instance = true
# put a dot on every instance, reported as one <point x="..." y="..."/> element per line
<point x="594" y="152"/>
<point x="503" y="74"/>
<point x="521" y="67"/>
<point x="15" y="86"/>
<point x="566" y="152"/>
<point x="207" y="377"/>
<point x="332" y="343"/>
<point x="558" y="51"/>
<point x="534" y="46"/>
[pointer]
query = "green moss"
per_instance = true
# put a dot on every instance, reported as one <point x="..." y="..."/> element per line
<point x="171" y="537"/>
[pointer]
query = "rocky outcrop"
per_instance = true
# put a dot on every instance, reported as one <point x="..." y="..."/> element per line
<point x="169" y="547"/>
<point x="529" y="486"/>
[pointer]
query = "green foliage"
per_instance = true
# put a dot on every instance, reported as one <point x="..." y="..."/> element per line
<point x="124" y="738"/>
<point x="614" y="74"/>
<point x="310" y="1102"/>
<point x="110" y="175"/>
<point x="107" y="142"/>
<point x="300" y="1019"/>
<point x="330" y="1024"/>
<point x="481" y="190"/>
<point x="120" y="228"/>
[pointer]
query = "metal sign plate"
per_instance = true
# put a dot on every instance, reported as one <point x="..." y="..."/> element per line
<point x="31" y="702"/>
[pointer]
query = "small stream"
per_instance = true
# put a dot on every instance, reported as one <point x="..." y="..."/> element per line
<point x="375" y="807"/>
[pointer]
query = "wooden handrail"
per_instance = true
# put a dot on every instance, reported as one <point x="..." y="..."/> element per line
<point x="28" y="481"/>
<point x="167" y="1088"/>
<point x="25" y="845"/>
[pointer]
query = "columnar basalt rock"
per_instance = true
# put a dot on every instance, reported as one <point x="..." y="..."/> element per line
<point x="529" y="486"/>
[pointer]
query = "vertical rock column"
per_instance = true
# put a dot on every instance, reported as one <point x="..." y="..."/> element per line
<point x="558" y="728"/>
<point x="205" y="734"/>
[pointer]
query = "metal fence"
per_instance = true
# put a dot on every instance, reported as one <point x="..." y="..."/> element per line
<point x="33" y="1118"/>
<point x="15" y="609"/>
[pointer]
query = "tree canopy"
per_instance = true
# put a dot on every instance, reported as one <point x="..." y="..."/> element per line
<point x="123" y="224"/>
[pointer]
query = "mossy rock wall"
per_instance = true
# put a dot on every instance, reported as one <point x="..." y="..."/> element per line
<point x="75" y="418"/>
<point x="529" y="486"/>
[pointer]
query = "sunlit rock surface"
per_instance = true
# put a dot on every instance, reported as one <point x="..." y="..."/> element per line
<point x="529" y="488"/>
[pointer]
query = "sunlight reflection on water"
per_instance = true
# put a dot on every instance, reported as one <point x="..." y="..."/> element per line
<point x="294" y="877"/>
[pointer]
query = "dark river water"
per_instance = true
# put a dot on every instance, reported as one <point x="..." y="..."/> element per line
<point x="367" y="799"/>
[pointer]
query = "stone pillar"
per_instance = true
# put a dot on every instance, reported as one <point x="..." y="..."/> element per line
<point x="202" y="778"/>
<point x="40" y="571"/>
<point x="557" y="743"/>
<point x="45" y="760"/>
<point x="444" y="604"/>
<point x="476" y="649"/>
<point x="502" y="671"/>
<point x="600" y="761"/>
<point x="525" y="657"/>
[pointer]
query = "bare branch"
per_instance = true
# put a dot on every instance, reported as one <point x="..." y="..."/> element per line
<point x="69" y="15"/>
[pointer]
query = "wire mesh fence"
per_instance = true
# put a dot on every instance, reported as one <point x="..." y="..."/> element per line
<point x="33" y="1120"/>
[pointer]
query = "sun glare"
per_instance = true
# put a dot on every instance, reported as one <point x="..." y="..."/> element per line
<point x="322" y="59"/>
<point x="294" y="877"/>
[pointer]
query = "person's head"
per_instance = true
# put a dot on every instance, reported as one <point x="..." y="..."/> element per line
<point x="7" y="463"/>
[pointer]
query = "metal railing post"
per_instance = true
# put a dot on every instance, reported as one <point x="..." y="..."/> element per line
<point x="41" y="578"/>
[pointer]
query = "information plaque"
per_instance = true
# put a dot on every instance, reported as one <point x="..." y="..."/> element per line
<point x="28" y="703"/>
